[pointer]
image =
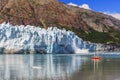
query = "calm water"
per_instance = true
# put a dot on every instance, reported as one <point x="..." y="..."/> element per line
<point x="59" y="67"/>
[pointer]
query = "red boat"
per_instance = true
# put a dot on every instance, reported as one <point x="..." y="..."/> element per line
<point x="95" y="58"/>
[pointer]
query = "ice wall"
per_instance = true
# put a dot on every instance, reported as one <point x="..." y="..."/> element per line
<point x="36" y="39"/>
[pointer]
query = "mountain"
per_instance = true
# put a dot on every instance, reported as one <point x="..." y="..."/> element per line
<point x="87" y="24"/>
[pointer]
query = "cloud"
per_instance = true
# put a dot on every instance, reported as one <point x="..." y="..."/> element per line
<point x="85" y="6"/>
<point x="72" y="4"/>
<point x="115" y="15"/>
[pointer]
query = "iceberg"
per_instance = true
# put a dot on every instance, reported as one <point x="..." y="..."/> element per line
<point x="31" y="39"/>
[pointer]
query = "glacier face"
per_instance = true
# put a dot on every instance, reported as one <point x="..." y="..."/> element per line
<point x="36" y="39"/>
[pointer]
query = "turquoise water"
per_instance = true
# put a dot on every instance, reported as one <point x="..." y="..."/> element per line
<point x="59" y="67"/>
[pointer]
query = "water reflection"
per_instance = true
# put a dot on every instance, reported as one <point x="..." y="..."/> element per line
<point x="107" y="68"/>
<point x="59" y="67"/>
<point x="38" y="67"/>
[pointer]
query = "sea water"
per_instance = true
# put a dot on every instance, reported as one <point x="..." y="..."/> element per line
<point x="60" y="67"/>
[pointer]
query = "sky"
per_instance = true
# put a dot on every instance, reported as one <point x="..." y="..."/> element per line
<point x="110" y="7"/>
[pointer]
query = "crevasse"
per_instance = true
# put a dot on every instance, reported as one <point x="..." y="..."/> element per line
<point x="35" y="39"/>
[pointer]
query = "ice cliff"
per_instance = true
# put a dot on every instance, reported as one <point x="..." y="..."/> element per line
<point x="35" y="39"/>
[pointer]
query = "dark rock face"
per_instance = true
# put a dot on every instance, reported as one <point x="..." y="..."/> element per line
<point x="46" y="13"/>
<point x="108" y="47"/>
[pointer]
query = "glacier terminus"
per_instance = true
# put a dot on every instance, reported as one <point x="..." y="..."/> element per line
<point x="31" y="39"/>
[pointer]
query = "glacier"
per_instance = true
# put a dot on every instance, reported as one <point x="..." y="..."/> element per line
<point x="31" y="39"/>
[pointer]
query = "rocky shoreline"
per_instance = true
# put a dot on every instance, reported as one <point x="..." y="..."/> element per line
<point x="108" y="47"/>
